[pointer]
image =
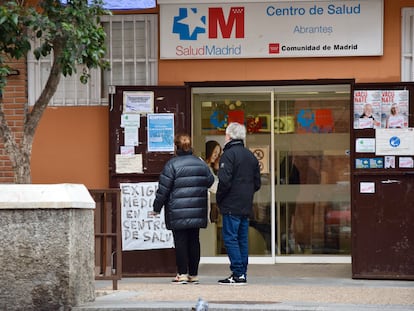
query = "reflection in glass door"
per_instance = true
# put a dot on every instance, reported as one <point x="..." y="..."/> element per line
<point x="214" y="109"/>
<point x="312" y="183"/>
<point x="300" y="134"/>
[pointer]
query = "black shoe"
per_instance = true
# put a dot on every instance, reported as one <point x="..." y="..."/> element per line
<point x="234" y="280"/>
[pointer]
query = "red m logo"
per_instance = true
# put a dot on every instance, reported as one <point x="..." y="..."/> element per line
<point x="235" y="20"/>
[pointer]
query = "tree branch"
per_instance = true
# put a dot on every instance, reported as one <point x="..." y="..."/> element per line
<point x="48" y="91"/>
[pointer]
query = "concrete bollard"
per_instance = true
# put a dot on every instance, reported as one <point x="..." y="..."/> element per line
<point x="47" y="247"/>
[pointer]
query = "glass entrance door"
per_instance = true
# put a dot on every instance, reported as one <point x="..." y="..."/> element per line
<point x="300" y="134"/>
<point x="213" y="109"/>
<point x="311" y="148"/>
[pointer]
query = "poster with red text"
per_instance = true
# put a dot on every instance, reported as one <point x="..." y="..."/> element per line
<point x="394" y="109"/>
<point x="367" y="109"/>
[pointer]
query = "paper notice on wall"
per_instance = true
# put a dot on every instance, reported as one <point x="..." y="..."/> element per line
<point x="127" y="150"/>
<point x="130" y="119"/>
<point x="138" y="102"/>
<point x="141" y="229"/>
<point x="125" y="164"/>
<point x="389" y="162"/>
<point x="394" y="141"/>
<point x="406" y="162"/>
<point x="365" y="145"/>
<point x="131" y="136"/>
<point x="367" y="187"/>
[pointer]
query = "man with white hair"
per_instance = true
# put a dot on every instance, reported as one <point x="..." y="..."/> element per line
<point x="239" y="179"/>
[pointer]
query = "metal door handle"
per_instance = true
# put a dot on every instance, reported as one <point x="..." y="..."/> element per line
<point x="391" y="181"/>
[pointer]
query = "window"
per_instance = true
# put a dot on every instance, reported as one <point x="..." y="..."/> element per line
<point x="132" y="51"/>
<point x="407" y="48"/>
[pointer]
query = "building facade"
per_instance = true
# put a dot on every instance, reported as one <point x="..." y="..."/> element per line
<point x="303" y="211"/>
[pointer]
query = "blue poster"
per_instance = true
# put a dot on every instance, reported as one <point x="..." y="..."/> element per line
<point x="160" y="132"/>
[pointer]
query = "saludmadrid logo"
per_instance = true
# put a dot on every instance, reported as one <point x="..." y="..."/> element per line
<point x="191" y="24"/>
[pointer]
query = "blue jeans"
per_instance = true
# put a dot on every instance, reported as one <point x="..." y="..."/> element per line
<point x="235" y="236"/>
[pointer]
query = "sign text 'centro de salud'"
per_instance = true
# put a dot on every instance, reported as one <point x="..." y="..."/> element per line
<point x="271" y="30"/>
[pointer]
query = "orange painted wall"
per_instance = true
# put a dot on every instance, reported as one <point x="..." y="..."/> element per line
<point x="71" y="144"/>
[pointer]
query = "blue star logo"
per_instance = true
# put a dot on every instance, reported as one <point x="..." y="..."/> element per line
<point x="306" y="118"/>
<point x="189" y="23"/>
<point x="395" y="141"/>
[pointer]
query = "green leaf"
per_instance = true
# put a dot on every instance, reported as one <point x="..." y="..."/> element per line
<point x="70" y="32"/>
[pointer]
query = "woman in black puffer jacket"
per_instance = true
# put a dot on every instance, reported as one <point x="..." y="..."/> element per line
<point x="182" y="190"/>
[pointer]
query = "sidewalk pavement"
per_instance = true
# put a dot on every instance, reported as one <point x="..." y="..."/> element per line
<point x="289" y="287"/>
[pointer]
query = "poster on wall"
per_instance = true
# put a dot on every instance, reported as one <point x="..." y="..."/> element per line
<point x="141" y="229"/>
<point x="266" y="29"/>
<point x="381" y="109"/>
<point x="367" y="109"/>
<point x="160" y="132"/>
<point x="394" y="109"/>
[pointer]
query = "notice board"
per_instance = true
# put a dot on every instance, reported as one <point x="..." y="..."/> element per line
<point x="142" y="123"/>
<point x="382" y="178"/>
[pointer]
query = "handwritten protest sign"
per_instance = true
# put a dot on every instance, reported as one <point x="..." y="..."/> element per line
<point x="140" y="228"/>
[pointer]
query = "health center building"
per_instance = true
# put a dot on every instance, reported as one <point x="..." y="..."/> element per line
<point x="298" y="74"/>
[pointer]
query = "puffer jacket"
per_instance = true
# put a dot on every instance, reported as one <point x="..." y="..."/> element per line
<point x="239" y="179"/>
<point x="182" y="190"/>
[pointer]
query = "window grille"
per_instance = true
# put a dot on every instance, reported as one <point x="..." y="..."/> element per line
<point x="132" y="51"/>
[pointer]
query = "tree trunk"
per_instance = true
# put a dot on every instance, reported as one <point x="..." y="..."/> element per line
<point x="22" y="171"/>
<point x="20" y="154"/>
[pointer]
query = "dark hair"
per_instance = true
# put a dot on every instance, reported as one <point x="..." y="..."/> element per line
<point x="183" y="142"/>
<point x="210" y="146"/>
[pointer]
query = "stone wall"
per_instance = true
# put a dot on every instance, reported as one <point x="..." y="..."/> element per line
<point x="47" y="257"/>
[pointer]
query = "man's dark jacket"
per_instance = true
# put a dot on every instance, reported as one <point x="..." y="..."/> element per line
<point x="239" y="179"/>
<point x="182" y="189"/>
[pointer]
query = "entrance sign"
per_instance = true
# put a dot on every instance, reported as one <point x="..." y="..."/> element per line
<point x="141" y="229"/>
<point x="270" y="29"/>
